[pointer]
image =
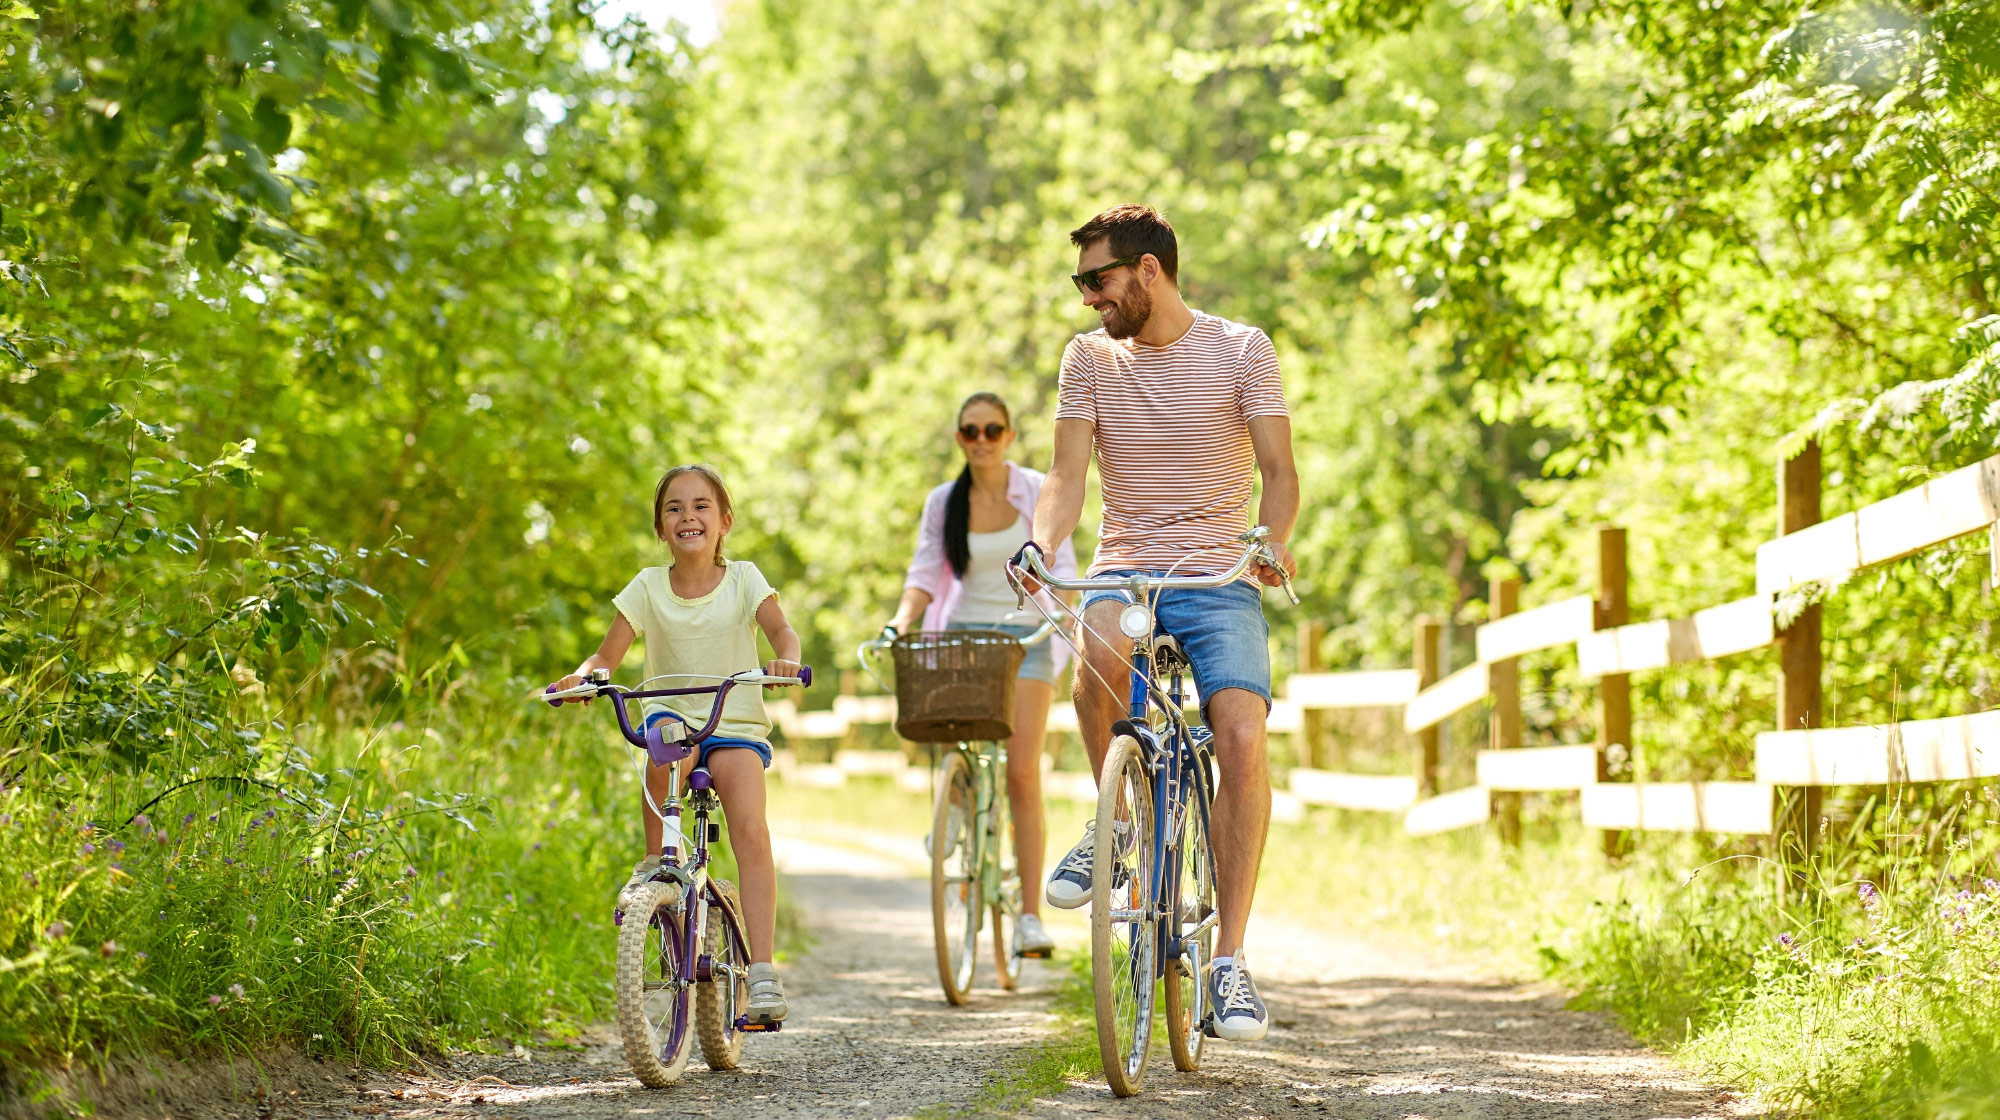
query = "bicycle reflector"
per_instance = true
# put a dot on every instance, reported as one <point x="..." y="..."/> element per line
<point x="1135" y="621"/>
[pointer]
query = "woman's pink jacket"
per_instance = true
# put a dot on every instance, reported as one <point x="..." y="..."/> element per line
<point x="930" y="570"/>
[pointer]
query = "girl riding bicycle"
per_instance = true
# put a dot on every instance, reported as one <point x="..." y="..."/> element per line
<point x="699" y="616"/>
<point x="958" y="580"/>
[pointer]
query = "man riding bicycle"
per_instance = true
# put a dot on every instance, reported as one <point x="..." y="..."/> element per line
<point x="1177" y="406"/>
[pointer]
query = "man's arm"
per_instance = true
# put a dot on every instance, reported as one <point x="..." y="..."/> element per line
<point x="1061" y="504"/>
<point x="1271" y="438"/>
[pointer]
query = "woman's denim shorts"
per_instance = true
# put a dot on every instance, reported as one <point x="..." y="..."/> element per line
<point x="1040" y="662"/>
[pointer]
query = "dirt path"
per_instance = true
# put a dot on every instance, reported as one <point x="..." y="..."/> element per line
<point x="1359" y="1033"/>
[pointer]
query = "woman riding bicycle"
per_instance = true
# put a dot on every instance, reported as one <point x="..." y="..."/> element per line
<point x="958" y="580"/>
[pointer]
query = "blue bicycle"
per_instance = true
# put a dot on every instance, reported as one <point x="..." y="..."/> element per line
<point x="1152" y="906"/>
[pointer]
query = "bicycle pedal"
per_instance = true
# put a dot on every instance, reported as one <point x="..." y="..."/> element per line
<point x="1208" y="1025"/>
<point x="772" y="1025"/>
<point x="1036" y="954"/>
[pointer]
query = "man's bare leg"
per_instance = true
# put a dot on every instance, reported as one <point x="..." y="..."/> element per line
<point x="1103" y="680"/>
<point x="1242" y="817"/>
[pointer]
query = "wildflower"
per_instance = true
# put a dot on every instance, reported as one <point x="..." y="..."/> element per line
<point x="160" y="836"/>
<point x="187" y="820"/>
<point x="108" y="950"/>
<point x="510" y="897"/>
<point x="350" y="883"/>
<point x="1990" y="886"/>
<point x="116" y="845"/>
<point x="228" y="862"/>
<point x="143" y="821"/>
<point x="1860" y="944"/>
<point x="1788" y="941"/>
<point x="30" y="877"/>
<point x="212" y="816"/>
<point x="250" y="920"/>
<point x="215" y="1001"/>
<point x="89" y="849"/>
<point x="6" y="820"/>
<point x="1870" y="898"/>
<point x="56" y="929"/>
<point x="298" y="940"/>
<point x="116" y="866"/>
<point x="141" y="956"/>
<point x="409" y="872"/>
<point x="236" y="990"/>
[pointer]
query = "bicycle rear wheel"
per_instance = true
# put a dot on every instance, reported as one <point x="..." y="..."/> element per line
<point x="1123" y="952"/>
<point x="651" y="999"/>
<point x="955" y="886"/>
<point x="723" y="993"/>
<point x="1187" y="965"/>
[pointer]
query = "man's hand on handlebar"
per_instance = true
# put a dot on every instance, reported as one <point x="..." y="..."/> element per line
<point x="1268" y="575"/>
<point x="1024" y="582"/>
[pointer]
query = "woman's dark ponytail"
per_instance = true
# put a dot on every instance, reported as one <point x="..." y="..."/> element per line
<point x="958" y="506"/>
<point x="958" y="522"/>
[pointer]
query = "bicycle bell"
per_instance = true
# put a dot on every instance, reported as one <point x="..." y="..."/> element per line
<point x="1135" y="621"/>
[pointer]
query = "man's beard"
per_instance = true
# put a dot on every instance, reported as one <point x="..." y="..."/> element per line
<point x="1130" y="314"/>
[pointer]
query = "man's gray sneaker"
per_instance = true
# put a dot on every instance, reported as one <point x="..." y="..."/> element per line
<point x="1237" y="1014"/>
<point x="767" y="995"/>
<point x="1069" y="883"/>
<point x="1031" y="940"/>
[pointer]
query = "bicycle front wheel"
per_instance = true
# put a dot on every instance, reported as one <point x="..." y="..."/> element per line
<point x="723" y="990"/>
<point x="652" y="991"/>
<point x="1194" y="928"/>
<point x="956" y="892"/>
<point x="1123" y="951"/>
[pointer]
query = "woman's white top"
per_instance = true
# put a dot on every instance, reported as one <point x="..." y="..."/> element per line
<point x="987" y="596"/>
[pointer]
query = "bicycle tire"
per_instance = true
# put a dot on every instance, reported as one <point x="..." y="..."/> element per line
<point x="723" y="996"/>
<point x="1186" y="987"/>
<point x="1123" y="954"/>
<point x="652" y="1023"/>
<point x="955" y="886"/>
<point x="1006" y="911"/>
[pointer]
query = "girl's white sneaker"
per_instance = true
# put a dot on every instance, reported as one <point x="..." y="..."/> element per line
<point x="767" y="995"/>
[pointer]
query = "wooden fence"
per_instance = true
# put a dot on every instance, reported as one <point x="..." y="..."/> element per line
<point x="1794" y="760"/>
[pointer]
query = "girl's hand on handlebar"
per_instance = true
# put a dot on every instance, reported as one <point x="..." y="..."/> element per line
<point x="569" y="682"/>
<point x="1269" y="576"/>
<point x="779" y="667"/>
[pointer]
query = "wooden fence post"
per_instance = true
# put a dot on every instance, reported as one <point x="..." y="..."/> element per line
<point x="1314" y="751"/>
<point x="1614" y="691"/>
<point x="1799" y="665"/>
<point x="1425" y="655"/>
<point x="1503" y="599"/>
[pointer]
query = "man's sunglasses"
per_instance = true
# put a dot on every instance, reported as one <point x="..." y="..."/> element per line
<point x="970" y="432"/>
<point x="1094" y="279"/>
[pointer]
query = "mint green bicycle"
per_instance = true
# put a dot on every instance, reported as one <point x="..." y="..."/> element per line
<point x="954" y="690"/>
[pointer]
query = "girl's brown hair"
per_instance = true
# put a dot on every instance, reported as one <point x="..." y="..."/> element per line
<point x="714" y="478"/>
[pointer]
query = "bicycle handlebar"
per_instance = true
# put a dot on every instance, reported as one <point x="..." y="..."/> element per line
<point x="1257" y="549"/>
<point x="655" y="740"/>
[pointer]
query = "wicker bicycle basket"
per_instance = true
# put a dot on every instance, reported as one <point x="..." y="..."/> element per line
<point x="956" y="685"/>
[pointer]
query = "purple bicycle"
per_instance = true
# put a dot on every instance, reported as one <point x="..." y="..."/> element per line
<point x="680" y="932"/>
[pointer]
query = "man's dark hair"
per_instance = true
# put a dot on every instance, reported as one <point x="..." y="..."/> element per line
<point x="1133" y="229"/>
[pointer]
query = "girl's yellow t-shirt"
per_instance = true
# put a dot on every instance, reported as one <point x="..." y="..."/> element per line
<point x="714" y="635"/>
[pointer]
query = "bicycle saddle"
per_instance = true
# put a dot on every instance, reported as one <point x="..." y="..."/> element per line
<point x="1168" y="656"/>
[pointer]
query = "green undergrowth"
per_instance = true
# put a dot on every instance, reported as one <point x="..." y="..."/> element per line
<point x="1067" y="1054"/>
<point x="366" y="891"/>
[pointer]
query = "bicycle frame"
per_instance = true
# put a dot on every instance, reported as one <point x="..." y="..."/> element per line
<point x="1174" y="758"/>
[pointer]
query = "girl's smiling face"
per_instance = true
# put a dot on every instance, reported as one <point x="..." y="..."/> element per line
<point x="692" y="520"/>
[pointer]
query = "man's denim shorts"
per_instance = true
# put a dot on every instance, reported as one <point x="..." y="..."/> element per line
<point x="715" y="742"/>
<point x="1039" y="664"/>
<point x="1221" y="629"/>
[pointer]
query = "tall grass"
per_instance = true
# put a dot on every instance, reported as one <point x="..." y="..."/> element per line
<point x="368" y="891"/>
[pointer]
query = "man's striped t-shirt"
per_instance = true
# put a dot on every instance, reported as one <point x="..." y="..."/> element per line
<point x="1172" y="438"/>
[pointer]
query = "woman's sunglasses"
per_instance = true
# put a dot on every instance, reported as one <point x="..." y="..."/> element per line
<point x="1094" y="279"/>
<point x="970" y="432"/>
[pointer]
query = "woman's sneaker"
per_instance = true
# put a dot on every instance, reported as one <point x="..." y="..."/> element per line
<point x="767" y="995"/>
<point x="1031" y="940"/>
<point x="1238" y="1015"/>
<point x="1069" y="883"/>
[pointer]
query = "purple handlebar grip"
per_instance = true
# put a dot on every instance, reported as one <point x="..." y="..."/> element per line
<point x="805" y="676"/>
<point x="552" y="703"/>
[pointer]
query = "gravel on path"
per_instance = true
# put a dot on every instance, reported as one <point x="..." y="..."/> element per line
<point x="1360" y="1032"/>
